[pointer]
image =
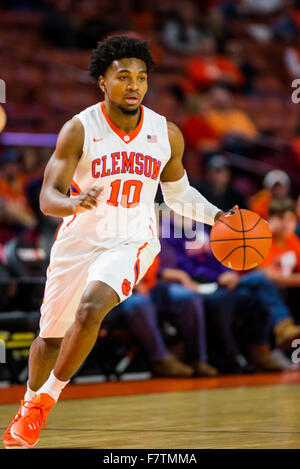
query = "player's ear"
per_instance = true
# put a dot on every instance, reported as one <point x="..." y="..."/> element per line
<point x="101" y="83"/>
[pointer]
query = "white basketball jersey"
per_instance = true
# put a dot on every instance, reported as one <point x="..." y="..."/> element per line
<point x="128" y="167"/>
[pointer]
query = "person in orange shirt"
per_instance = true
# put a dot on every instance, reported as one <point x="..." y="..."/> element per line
<point x="197" y="132"/>
<point x="16" y="215"/>
<point x="276" y="185"/>
<point x="282" y="264"/>
<point x="226" y="119"/>
<point x="209" y="68"/>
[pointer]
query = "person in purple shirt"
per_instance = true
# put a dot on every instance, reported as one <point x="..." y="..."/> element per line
<point x="234" y="303"/>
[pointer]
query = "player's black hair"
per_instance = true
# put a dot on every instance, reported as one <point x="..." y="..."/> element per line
<point x="118" y="47"/>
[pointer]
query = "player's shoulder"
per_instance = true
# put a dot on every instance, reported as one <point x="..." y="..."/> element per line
<point x="72" y="128"/>
<point x="89" y="117"/>
<point x="175" y="134"/>
<point x="156" y="119"/>
<point x="71" y="135"/>
<point x="173" y="129"/>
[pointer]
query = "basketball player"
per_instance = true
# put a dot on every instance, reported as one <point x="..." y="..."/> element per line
<point x="111" y="156"/>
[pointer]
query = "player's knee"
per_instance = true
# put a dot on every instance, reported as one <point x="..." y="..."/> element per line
<point x="49" y="346"/>
<point x="91" y="314"/>
<point x="96" y="302"/>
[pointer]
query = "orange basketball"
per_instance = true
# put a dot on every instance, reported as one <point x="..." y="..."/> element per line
<point x="240" y="239"/>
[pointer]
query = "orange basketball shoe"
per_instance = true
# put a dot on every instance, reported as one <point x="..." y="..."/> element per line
<point x="26" y="430"/>
<point x="8" y="440"/>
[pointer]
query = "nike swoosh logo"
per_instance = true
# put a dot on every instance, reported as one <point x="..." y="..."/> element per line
<point x="97" y="139"/>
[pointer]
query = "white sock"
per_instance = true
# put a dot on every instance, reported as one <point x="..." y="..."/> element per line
<point x="53" y="386"/>
<point x="29" y="393"/>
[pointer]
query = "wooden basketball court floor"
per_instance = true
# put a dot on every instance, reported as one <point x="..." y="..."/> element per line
<point x="260" y="411"/>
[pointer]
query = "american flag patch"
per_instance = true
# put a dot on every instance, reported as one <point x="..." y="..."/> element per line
<point x="152" y="138"/>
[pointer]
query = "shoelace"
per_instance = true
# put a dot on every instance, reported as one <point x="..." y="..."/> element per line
<point x="37" y="411"/>
<point x="17" y="415"/>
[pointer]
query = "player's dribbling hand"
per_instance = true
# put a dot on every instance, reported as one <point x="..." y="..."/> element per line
<point x="234" y="209"/>
<point x="87" y="200"/>
<point x="231" y="211"/>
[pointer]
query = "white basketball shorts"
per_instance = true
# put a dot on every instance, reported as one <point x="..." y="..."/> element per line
<point x="74" y="263"/>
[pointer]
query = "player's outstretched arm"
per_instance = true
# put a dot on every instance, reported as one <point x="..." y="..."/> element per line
<point x="176" y="189"/>
<point x="59" y="174"/>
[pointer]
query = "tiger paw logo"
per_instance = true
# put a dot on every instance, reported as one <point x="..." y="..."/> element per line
<point x="126" y="287"/>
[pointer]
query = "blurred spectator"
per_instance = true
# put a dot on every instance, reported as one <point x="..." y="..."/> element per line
<point x="235" y="300"/>
<point x="32" y="166"/>
<point x="235" y="52"/>
<point x="198" y="133"/>
<point x="15" y="213"/>
<point x="46" y="227"/>
<point x="34" y="160"/>
<point x="282" y="266"/>
<point x="209" y="68"/>
<point x="155" y="302"/>
<point x="226" y="119"/>
<point x="183" y="31"/>
<point x="276" y="186"/>
<point x="217" y="185"/>
<point x="168" y="102"/>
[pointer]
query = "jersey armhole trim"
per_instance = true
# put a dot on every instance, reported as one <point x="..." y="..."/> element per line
<point x="168" y="140"/>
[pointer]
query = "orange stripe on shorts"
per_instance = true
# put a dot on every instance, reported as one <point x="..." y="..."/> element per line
<point x="71" y="221"/>
<point x="137" y="264"/>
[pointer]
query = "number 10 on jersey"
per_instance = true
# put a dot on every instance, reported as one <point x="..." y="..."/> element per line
<point x="130" y="193"/>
